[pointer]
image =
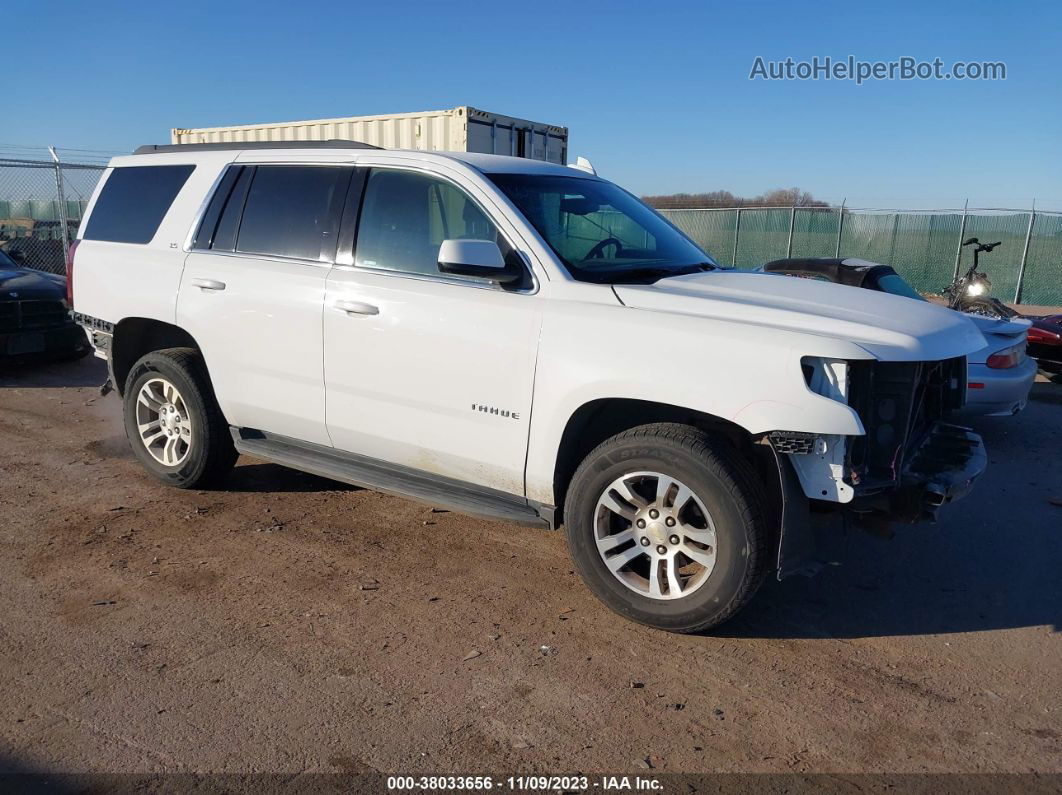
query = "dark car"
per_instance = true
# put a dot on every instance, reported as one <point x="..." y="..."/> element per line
<point x="1045" y="343"/>
<point x="34" y="318"/>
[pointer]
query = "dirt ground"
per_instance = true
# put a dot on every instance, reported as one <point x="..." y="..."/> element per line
<point x="288" y="623"/>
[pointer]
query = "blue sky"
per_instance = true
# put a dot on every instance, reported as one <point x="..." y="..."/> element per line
<point x="657" y="95"/>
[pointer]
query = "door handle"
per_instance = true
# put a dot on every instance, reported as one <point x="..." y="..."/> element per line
<point x="208" y="284"/>
<point x="357" y="308"/>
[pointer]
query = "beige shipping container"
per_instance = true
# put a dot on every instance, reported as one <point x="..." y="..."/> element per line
<point x="460" y="129"/>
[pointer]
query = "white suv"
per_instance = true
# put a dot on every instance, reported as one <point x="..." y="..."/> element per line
<point x="518" y="340"/>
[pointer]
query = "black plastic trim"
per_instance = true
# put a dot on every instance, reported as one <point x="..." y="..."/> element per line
<point x="350" y="216"/>
<point x="386" y="477"/>
<point x="93" y="323"/>
<point x="796" y="539"/>
<point x="335" y="143"/>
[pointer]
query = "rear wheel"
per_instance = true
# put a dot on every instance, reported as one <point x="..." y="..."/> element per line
<point x="666" y="529"/>
<point x="173" y="421"/>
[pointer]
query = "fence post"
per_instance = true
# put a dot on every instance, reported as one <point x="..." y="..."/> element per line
<point x="962" y="234"/>
<point x="792" y="223"/>
<point x="840" y="228"/>
<point x="62" y="202"/>
<point x="737" y="227"/>
<point x="1025" y="254"/>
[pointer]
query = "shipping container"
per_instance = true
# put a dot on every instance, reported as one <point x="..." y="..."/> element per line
<point x="460" y="129"/>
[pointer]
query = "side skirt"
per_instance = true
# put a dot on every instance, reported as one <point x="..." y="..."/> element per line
<point x="389" y="478"/>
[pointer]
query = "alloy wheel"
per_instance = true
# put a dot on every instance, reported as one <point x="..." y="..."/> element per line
<point x="655" y="535"/>
<point x="163" y="423"/>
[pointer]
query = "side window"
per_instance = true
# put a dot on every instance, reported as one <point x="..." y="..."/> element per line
<point x="133" y="202"/>
<point x="405" y="217"/>
<point x="231" y="208"/>
<point x="208" y="225"/>
<point x="291" y="211"/>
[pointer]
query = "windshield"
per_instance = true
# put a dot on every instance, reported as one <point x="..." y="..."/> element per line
<point x="600" y="232"/>
<point x="6" y="261"/>
<point x="894" y="284"/>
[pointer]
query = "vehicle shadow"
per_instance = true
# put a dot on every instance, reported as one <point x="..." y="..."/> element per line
<point x="1047" y="392"/>
<point x="256" y="478"/>
<point x="991" y="562"/>
<point x="50" y="374"/>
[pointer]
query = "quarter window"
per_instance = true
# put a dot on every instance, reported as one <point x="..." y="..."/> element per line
<point x="405" y="217"/>
<point x="133" y="202"/>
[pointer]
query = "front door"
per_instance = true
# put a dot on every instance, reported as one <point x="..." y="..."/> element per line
<point x="422" y="370"/>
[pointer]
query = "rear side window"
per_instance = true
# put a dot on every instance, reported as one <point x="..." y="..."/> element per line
<point x="293" y="211"/>
<point x="205" y="234"/>
<point x="218" y="227"/>
<point x="133" y="202"/>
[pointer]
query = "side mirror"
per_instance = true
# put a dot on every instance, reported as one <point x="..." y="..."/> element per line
<point x="480" y="259"/>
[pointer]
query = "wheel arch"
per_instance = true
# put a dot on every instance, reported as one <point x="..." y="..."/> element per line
<point x="599" y="419"/>
<point x="136" y="336"/>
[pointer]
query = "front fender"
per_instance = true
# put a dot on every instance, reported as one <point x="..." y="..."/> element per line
<point x="821" y="416"/>
<point x="748" y="375"/>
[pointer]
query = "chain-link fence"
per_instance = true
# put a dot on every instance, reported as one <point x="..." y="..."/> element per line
<point x="922" y="246"/>
<point x="41" y="203"/>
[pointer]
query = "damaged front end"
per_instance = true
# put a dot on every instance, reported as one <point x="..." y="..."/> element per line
<point x="909" y="462"/>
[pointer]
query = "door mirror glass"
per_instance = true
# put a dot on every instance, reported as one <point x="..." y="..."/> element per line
<point x="480" y="259"/>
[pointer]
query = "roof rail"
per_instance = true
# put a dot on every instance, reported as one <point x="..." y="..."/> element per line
<point x="335" y="143"/>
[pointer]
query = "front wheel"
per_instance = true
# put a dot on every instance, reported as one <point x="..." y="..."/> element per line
<point x="173" y="421"/>
<point x="666" y="529"/>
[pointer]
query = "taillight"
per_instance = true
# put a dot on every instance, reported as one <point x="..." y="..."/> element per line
<point x="1044" y="336"/>
<point x="70" y="272"/>
<point x="1008" y="357"/>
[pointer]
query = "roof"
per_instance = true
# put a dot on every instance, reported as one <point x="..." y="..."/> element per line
<point x="490" y="164"/>
<point x="505" y="164"/>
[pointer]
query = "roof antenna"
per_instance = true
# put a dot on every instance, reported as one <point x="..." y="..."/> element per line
<point x="583" y="164"/>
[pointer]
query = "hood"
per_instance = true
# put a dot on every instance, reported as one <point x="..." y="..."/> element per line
<point x="30" y="285"/>
<point x="890" y="327"/>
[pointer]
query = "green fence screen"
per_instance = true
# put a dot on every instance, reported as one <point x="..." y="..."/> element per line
<point x="920" y="245"/>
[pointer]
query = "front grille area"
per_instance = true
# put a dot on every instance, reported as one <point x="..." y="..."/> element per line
<point x="899" y="404"/>
<point x="32" y="315"/>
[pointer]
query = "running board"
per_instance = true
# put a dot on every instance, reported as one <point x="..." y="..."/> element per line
<point x="377" y="475"/>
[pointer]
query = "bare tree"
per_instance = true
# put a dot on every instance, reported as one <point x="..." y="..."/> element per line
<point x="781" y="197"/>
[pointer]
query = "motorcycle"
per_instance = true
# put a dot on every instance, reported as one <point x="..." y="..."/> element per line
<point x="969" y="293"/>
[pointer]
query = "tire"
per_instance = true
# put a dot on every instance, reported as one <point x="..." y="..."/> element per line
<point x="724" y="523"/>
<point x="191" y="447"/>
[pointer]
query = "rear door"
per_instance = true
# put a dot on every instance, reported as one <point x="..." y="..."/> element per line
<point x="252" y="292"/>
